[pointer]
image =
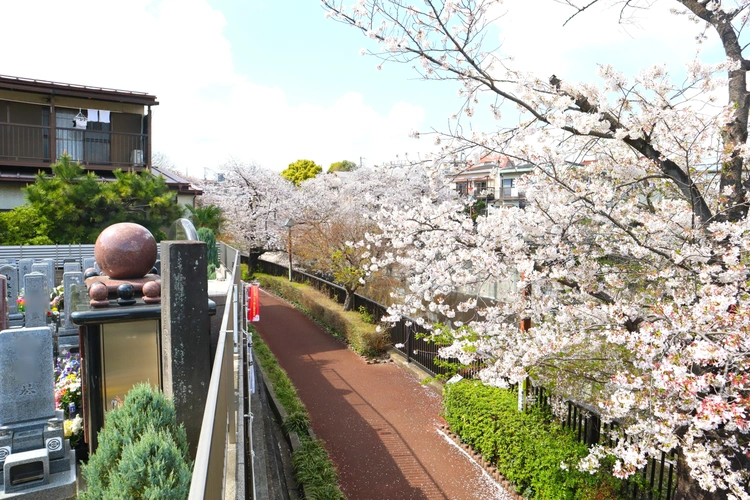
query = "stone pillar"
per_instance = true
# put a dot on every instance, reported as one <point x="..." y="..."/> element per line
<point x="185" y="335"/>
<point x="3" y="306"/>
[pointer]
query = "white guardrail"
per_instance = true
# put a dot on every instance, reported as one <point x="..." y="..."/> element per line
<point x="214" y="475"/>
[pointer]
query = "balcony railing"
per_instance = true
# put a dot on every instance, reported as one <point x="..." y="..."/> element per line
<point x="24" y="143"/>
<point x="510" y="192"/>
<point x="32" y="144"/>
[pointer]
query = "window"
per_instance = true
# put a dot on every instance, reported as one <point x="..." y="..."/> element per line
<point x="89" y="145"/>
<point x="508" y="188"/>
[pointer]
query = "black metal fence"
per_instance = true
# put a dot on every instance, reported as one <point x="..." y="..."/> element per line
<point x="405" y="334"/>
<point x="657" y="481"/>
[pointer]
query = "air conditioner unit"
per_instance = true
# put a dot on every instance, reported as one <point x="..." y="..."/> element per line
<point x="136" y="157"/>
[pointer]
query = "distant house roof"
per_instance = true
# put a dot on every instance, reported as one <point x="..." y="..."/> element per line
<point x="174" y="181"/>
<point x="487" y="165"/>
<point x="73" y="90"/>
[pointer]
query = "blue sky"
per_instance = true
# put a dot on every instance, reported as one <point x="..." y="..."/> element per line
<point x="273" y="81"/>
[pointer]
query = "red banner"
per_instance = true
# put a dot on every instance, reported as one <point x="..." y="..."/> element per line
<point x="253" y="303"/>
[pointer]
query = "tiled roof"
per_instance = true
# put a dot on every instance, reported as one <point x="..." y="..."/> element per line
<point x="75" y="90"/>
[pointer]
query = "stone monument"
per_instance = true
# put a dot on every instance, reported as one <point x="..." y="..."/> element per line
<point x="67" y="334"/>
<point x="36" y="298"/>
<point x="3" y="306"/>
<point x="35" y="458"/>
<point x="14" y="317"/>
<point x="24" y="268"/>
<point x="125" y="253"/>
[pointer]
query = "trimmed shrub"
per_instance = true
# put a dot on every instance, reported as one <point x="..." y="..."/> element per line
<point x="206" y="235"/>
<point x="152" y="467"/>
<point x="364" y="338"/>
<point x="527" y="448"/>
<point x="144" y="408"/>
<point x="245" y="272"/>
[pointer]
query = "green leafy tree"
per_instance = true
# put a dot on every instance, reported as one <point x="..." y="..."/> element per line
<point x="342" y="166"/>
<point x="144" y="199"/>
<point x="301" y="170"/>
<point x="208" y="216"/>
<point x="71" y="201"/>
<point x="24" y="226"/>
<point x="73" y="206"/>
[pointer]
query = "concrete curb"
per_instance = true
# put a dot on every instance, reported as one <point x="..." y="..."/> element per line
<point x="399" y="358"/>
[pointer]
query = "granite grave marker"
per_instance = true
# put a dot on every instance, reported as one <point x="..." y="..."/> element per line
<point x="11" y="286"/>
<point x="36" y="297"/>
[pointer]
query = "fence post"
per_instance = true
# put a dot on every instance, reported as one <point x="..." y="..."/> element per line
<point x="408" y="341"/>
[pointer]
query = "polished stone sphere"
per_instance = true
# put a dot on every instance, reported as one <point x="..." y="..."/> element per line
<point x="98" y="291"/>
<point x="152" y="289"/>
<point x="125" y="250"/>
<point x="126" y="291"/>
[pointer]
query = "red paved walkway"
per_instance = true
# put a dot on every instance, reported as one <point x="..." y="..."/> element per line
<point x="379" y="425"/>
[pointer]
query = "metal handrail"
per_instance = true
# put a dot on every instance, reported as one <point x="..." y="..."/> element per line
<point x="218" y="428"/>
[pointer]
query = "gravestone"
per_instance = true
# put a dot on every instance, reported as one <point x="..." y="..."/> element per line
<point x="71" y="267"/>
<point x="36" y="297"/>
<point x="26" y="375"/>
<point x="67" y="334"/>
<point x="89" y="262"/>
<point x="35" y="458"/>
<point x="11" y="283"/>
<point x="3" y="308"/>
<point x="41" y="268"/>
<point x="50" y="273"/>
<point x="24" y="268"/>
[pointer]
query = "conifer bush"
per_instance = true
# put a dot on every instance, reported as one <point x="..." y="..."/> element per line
<point x="127" y="443"/>
<point x="206" y="235"/>
<point x="151" y="467"/>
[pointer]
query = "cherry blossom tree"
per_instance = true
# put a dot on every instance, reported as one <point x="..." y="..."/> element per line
<point x="254" y="203"/>
<point x="632" y="267"/>
<point x="336" y="213"/>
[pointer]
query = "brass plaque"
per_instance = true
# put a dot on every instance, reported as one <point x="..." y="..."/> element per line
<point x="130" y="354"/>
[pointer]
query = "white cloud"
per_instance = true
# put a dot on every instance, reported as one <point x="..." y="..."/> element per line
<point x="177" y="50"/>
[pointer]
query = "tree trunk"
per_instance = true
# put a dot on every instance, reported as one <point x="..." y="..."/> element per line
<point x="252" y="259"/>
<point x="688" y="488"/>
<point x="348" y="300"/>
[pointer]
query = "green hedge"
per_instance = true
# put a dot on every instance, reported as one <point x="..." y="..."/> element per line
<point x="313" y="467"/>
<point x="361" y="336"/>
<point x="527" y="448"/>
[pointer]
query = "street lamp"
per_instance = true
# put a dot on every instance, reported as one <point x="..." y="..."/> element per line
<point x="288" y="224"/>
